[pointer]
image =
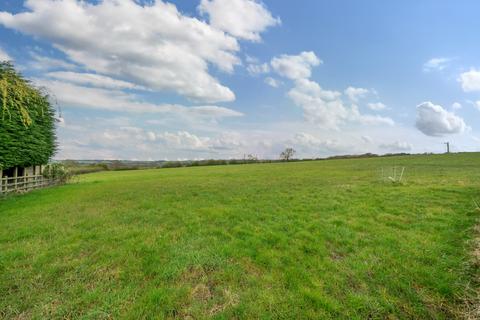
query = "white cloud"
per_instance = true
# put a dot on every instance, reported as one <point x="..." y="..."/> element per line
<point x="436" y="64"/>
<point x="256" y="69"/>
<point x="122" y="140"/>
<point x="433" y="120"/>
<point x="4" y="55"/>
<point x="378" y="106"/>
<point x="326" y="108"/>
<point x="251" y="60"/>
<point x="214" y="112"/>
<point x="322" y="107"/>
<point x="309" y="143"/>
<point x="367" y="119"/>
<point x="91" y="79"/>
<point x="72" y="95"/>
<point x="355" y="94"/>
<point x="183" y="140"/>
<point x="272" y="82"/>
<point x="142" y="137"/>
<point x="244" y="19"/>
<point x="152" y="45"/>
<point x="456" y="106"/>
<point x="397" y="146"/>
<point x="41" y="62"/>
<point x="470" y="80"/>
<point x="295" y="66"/>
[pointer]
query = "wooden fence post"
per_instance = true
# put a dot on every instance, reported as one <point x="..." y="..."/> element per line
<point x="15" y="178"/>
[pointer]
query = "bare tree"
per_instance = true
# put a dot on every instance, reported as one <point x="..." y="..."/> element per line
<point x="287" y="154"/>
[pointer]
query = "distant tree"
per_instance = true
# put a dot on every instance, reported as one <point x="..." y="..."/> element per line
<point x="287" y="154"/>
<point x="251" y="157"/>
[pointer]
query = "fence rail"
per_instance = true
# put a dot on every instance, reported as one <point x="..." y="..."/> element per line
<point x="24" y="183"/>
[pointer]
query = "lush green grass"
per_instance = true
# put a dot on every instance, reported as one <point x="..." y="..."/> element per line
<point x="322" y="239"/>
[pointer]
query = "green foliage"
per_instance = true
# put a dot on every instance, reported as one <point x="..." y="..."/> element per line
<point x="296" y="240"/>
<point x="58" y="172"/>
<point x="27" y="123"/>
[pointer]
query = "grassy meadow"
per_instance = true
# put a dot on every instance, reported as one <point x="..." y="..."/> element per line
<point x="303" y="240"/>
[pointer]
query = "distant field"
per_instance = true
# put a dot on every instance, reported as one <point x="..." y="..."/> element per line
<point x="304" y="240"/>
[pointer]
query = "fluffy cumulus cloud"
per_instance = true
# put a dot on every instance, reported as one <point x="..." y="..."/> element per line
<point x="124" y="140"/>
<point x="244" y="19"/>
<point x="154" y="45"/>
<point x="355" y="94"/>
<point x="320" y="106"/>
<point x="309" y="143"/>
<point x="436" y="64"/>
<point x="74" y="95"/>
<point x="295" y="66"/>
<point x="183" y="140"/>
<point x="272" y="82"/>
<point x="119" y="138"/>
<point x="326" y="108"/>
<point x="456" y="106"/>
<point x="470" y="80"/>
<point x="433" y="120"/>
<point x="4" y="55"/>
<point x="256" y="69"/>
<point x="377" y="106"/>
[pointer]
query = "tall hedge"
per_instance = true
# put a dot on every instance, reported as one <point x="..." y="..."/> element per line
<point x="27" y="121"/>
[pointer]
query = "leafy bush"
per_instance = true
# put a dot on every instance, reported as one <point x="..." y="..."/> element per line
<point x="58" y="172"/>
<point x="27" y="122"/>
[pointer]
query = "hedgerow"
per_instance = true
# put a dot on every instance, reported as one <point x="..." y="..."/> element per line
<point x="27" y="121"/>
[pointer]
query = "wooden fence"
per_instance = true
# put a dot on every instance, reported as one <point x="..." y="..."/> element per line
<point x="24" y="183"/>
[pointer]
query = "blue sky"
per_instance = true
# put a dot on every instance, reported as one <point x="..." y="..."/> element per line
<point x="223" y="78"/>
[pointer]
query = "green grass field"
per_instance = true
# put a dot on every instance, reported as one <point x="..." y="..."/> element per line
<point x="304" y="240"/>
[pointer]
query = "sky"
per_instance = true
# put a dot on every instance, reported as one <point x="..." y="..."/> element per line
<point x="211" y="79"/>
